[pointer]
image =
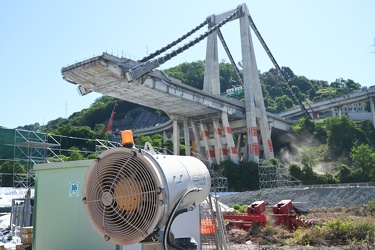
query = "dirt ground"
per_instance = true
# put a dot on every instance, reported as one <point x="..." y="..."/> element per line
<point x="324" y="204"/>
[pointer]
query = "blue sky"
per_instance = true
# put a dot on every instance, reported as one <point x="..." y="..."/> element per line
<point x="319" y="39"/>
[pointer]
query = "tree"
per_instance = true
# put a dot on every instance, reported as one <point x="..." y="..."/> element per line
<point x="352" y="86"/>
<point x="343" y="134"/>
<point x="363" y="159"/>
<point x="310" y="158"/>
<point x="296" y="171"/>
<point x="69" y="131"/>
<point x="8" y="168"/>
<point x="191" y="74"/>
<point x="242" y="176"/>
<point x="228" y="76"/>
<point x="304" y="126"/>
<point x="141" y="139"/>
<point x="75" y="155"/>
<point x="344" y="174"/>
<point x="369" y="130"/>
<point x="283" y="103"/>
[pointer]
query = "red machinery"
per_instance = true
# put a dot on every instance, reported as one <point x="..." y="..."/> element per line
<point x="284" y="212"/>
<point x="255" y="213"/>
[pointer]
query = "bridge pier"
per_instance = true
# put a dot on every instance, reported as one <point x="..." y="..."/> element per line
<point x="211" y="81"/>
<point x="256" y="116"/>
<point x="141" y="83"/>
<point x="233" y="152"/>
<point x="209" y="149"/>
<point x="187" y="138"/>
<point x="372" y="108"/>
<point x="218" y="133"/>
<point x="254" y="104"/>
<point x="197" y="140"/>
<point x="176" y="138"/>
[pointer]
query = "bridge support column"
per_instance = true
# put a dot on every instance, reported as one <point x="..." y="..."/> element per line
<point x="211" y="82"/>
<point x="198" y="147"/>
<point x="372" y="108"/>
<point x="187" y="137"/>
<point x="165" y="138"/>
<point x="256" y="116"/>
<point x="239" y="144"/>
<point x="250" y="75"/>
<point x="176" y="138"/>
<point x="205" y="135"/>
<point x="218" y="133"/>
<point x="233" y="153"/>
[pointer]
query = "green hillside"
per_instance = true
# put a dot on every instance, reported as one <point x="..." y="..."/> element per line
<point x="328" y="151"/>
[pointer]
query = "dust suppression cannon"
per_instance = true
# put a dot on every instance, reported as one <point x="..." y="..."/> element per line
<point x="133" y="195"/>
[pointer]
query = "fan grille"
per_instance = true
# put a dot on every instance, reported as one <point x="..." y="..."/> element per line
<point x="122" y="197"/>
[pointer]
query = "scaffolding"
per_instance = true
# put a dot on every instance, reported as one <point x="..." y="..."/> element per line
<point x="212" y="226"/>
<point x="276" y="176"/>
<point x="31" y="147"/>
<point x="219" y="183"/>
<point x="25" y="148"/>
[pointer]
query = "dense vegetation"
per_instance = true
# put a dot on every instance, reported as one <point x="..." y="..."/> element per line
<point x="276" y="95"/>
<point x="342" y="149"/>
<point x="345" y="228"/>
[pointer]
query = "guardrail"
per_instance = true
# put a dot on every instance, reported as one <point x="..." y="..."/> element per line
<point x="343" y="185"/>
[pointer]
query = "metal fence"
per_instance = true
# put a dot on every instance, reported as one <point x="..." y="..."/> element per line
<point x="343" y="185"/>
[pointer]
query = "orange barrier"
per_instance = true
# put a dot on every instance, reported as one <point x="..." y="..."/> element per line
<point x="207" y="227"/>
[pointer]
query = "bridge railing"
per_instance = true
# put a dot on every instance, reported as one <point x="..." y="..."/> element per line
<point x="333" y="99"/>
<point x="343" y="185"/>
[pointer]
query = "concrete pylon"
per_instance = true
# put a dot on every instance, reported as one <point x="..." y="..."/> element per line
<point x="176" y="138"/>
<point x="372" y="108"/>
<point x="232" y="150"/>
<point x="198" y="148"/>
<point x="211" y="82"/>
<point x="218" y="134"/>
<point x="187" y="137"/>
<point x="205" y="137"/>
<point x="257" y="127"/>
<point x="253" y="96"/>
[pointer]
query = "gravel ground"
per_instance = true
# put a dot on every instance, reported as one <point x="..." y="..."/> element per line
<point x="315" y="197"/>
<point x="254" y="247"/>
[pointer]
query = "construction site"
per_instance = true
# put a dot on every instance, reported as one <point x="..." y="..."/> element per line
<point x="137" y="197"/>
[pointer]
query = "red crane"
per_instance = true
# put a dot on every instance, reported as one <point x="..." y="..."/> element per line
<point x="109" y="126"/>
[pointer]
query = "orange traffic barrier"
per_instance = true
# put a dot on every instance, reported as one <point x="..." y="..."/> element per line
<point x="207" y="227"/>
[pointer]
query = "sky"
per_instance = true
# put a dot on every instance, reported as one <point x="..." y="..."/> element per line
<point x="318" y="39"/>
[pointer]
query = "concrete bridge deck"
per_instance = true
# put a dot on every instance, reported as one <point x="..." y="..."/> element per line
<point x="105" y="74"/>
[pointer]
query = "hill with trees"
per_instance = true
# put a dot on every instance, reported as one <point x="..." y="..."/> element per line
<point x="328" y="151"/>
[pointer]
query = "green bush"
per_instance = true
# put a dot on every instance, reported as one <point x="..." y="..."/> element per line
<point x="307" y="236"/>
<point x="336" y="232"/>
<point x="236" y="207"/>
<point x="371" y="207"/>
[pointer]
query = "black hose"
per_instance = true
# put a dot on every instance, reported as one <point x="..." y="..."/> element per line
<point x="173" y="215"/>
<point x="169" y="241"/>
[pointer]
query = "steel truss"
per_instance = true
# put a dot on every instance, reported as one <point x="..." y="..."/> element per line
<point x="271" y="176"/>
